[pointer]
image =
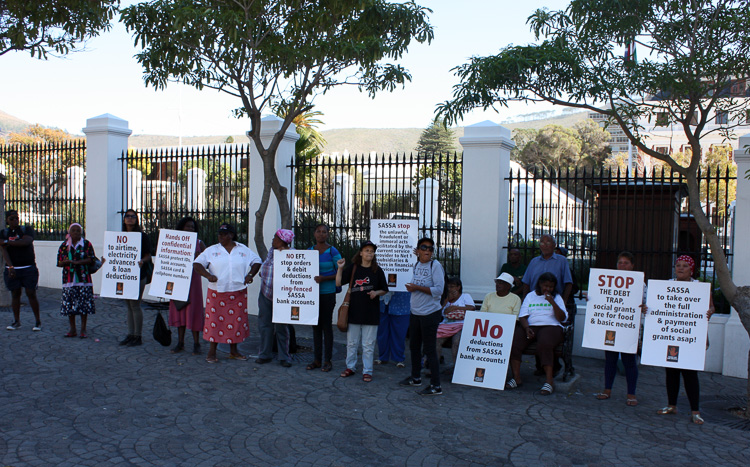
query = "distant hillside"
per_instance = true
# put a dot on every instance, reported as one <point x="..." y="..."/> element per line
<point x="11" y="124"/>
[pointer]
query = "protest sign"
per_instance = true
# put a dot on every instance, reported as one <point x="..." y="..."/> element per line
<point x="613" y="313"/>
<point x="295" y="292"/>
<point x="675" y="330"/>
<point x="484" y="351"/>
<point x="121" y="275"/>
<point x="396" y="240"/>
<point x="173" y="264"/>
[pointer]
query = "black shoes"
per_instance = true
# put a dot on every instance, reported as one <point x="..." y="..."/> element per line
<point x="136" y="340"/>
<point x="127" y="340"/>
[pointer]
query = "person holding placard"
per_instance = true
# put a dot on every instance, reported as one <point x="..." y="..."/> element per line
<point x="229" y="266"/>
<point x="684" y="268"/>
<point x="190" y="315"/>
<point x="282" y="240"/>
<point x="323" y="331"/>
<point x="625" y="262"/>
<point x="455" y="306"/>
<point x="368" y="283"/>
<point x="75" y="255"/>
<point x="541" y="317"/>
<point x="130" y="223"/>
<point x="426" y="289"/>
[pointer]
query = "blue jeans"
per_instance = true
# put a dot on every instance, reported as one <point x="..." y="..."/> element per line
<point x="366" y="334"/>
<point x="267" y="330"/>
<point x="392" y="336"/>
<point x="610" y="369"/>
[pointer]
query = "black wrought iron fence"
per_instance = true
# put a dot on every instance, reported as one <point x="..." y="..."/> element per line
<point x="347" y="192"/>
<point x="209" y="184"/>
<point x="596" y="214"/>
<point x="46" y="184"/>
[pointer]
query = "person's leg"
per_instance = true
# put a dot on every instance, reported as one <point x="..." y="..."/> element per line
<point x="631" y="373"/>
<point x="429" y="343"/>
<point x="610" y="371"/>
<point x="211" y="351"/>
<point x="369" y="335"/>
<point x="131" y="316"/>
<point x="454" y="346"/>
<point x="329" y="303"/>
<point x="520" y="342"/>
<point x="15" y="304"/>
<point x="399" y="326"/>
<point x="181" y="335"/>
<point x="547" y="338"/>
<point x="317" y="341"/>
<point x="673" y="386"/>
<point x="692" y="389"/>
<point x="72" y="322"/>
<point x="415" y="345"/>
<point x="353" y="337"/>
<point x="282" y="342"/>
<point x="34" y="303"/>
<point x="384" y="350"/>
<point x="138" y="312"/>
<point x="84" y="320"/>
<point x="265" y="327"/>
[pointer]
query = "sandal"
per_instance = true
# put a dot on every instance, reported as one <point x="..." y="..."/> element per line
<point x="366" y="378"/>
<point x="83" y="335"/>
<point x="313" y="366"/>
<point x="696" y="418"/>
<point x="602" y="396"/>
<point x="326" y="367"/>
<point x="347" y="373"/>
<point x="237" y="356"/>
<point x="71" y="334"/>
<point x="178" y="348"/>
<point x="512" y="384"/>
<point x="547" y="389"/>
<point x="631" y="402"/>
<point x="668" y="410"/>
<point x="212" y="360"/>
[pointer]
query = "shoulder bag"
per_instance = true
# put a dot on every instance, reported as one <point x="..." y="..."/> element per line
<point x="343" y="321"/>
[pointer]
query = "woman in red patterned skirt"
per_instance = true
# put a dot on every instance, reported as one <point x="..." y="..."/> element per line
<point x="229" y="266"/>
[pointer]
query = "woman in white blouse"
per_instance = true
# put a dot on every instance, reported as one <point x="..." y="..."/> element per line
<point x="229" y="266"/>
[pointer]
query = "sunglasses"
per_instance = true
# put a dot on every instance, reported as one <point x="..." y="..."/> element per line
<point x="130" y="216"/>
<point x="426" y="248"/>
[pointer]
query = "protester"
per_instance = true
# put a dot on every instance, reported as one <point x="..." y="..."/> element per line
<point x="541" y="317"/>
<point x="75" y="256"/>
<point x="516" y="269"/>
<point x="502" y="300"/>
<point x="394" y="324"/>
<point x="130" y="223"/>
<point x="229" y="266"/>
<point x="426" y="289"/>
<point x="189" y="314"/>
<point x="367" y="283"/>
<point x="548" y="261"/>
<point x="625" y="262"/>
<point x="326" y="278"/>
<point x="17" y="242"/>
<point x="282" y="240"/>
<point x="455" y="306"/>
<point x="684" y="268"/>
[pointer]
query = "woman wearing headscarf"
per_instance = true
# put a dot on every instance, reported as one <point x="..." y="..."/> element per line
<point x="282" y="240"/>
<point x="75" y="255"/>
<point x="229" y="266"/>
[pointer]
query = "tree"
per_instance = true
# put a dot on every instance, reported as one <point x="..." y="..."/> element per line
<point x="436" y="139"/>
<point x="695" y="57"/>
<point x="275" y="54"/>
<point x="556" y="147"/>
<point x="41" y="27"/>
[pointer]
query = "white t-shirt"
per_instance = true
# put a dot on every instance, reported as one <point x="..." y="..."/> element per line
<point x="229" y="268"/>
<point x="463" y="300"/>
<point x="540" y="311"/>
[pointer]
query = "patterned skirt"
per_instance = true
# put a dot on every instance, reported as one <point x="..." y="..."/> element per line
<point x="77" y="300"/>
<point x="226" y="317"/>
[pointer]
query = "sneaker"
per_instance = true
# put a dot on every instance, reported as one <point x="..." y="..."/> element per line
<point x="431" y="391"/>
<point x="15" y="325"/>
<point x="410" y="382"/>
<point x="37" y="327"/>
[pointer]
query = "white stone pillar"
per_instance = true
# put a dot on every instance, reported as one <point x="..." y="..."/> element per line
<point x="343" y="202"/>
<point x="484" y="205"/>
<point x="106" y="139"/>
<point x="736" y="341"/>
<point x="134" y="196"/>
<point x="429" y="203"/>
<point x="522" y="205"/>
<point x="196" y="189"/>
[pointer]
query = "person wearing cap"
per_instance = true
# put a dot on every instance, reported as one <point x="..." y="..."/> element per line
<point x="501" y="300"/>
<point x="282" y="240"/>
<point x="229" y="266"/>
<point x="684" y="268"/>
<point x="367" y="284"/>
<point x="455" y="306"/>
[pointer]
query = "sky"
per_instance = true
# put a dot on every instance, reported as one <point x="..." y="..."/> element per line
<point x="106" y="78"/>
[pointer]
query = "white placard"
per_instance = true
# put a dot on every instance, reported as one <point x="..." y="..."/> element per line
<point x="396" y="240"/>
<point x="295" y="292"/>
<point x="484" y="352"/>
<point x="173" y="264"/>
<point x="121" y="275"/>
<point x="613" y="313"/>
<point x="675" y="330"/>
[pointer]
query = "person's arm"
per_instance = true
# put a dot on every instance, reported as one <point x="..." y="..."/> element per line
<point x="340" y="263"/>
<point x="381" y="283"/>
<point x="524" y="320"/>
<point x="253" y="272"/>
<point x="485" y="303"/>
<point x="566" y="291"/>
<point x="62" y="258"/>
<point x="26" y="240"/>
<point x="202" y="271"/>
<point x="560" y="314"/>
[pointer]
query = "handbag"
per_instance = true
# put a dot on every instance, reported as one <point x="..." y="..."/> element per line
<point x="148" y="271"/>
<point x="162" y="334"/>
<point x="343" y="320"/>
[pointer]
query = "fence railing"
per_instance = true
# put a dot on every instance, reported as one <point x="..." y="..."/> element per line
<point x="46" y="184"/>
<point x="347" y="192"/>
<point x="596" y="214"/>
<point x="209" y="184"/>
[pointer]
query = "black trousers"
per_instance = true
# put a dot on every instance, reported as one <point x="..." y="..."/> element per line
<point x="423" y="330"/>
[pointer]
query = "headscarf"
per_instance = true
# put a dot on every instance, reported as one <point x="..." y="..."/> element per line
<point x="688" y="259"/>
<point x="285" y="235"/>
<point x="68" y="240"/>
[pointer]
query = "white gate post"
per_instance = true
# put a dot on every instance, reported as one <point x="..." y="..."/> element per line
<point x="484" y="205"/>
<point x="736" y="341"/>
<point x="106" y="139"/>
<point x="429" y="203"/>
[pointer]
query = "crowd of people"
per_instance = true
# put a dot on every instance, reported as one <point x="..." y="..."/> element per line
<point x="431" y="311"/>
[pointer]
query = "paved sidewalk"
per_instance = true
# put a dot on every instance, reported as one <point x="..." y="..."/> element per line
<point x="88" y="402"/>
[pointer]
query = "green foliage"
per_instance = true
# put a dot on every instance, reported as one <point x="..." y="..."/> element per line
<point x="139" y="161"/>
<point x="57" y="26"/>
<point x="436" y="139"/>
